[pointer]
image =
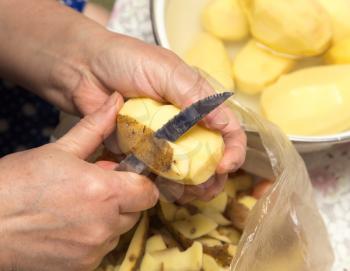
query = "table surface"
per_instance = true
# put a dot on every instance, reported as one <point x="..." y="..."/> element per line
<point x="328" y="169"/>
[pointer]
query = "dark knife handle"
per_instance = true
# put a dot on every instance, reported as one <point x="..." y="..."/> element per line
<point x="131" y="164"/>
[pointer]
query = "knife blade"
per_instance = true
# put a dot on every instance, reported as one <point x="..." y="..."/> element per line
<point x="177" y="126"/>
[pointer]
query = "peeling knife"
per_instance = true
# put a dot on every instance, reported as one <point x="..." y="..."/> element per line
<point x="177" y="126"/>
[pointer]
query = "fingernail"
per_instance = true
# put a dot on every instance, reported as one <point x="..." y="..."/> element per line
<point x="155" y="192"/>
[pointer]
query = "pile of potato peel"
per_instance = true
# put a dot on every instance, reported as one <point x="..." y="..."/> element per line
<point x="199" y="236"/>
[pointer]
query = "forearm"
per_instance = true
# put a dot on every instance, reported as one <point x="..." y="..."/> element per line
<point x="44" y="47"/>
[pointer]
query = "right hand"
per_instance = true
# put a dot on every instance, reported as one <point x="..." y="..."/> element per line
<point x="59" y="212"/>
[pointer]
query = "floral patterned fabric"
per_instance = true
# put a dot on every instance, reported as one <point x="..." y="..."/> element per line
<point x="329" y="169"/>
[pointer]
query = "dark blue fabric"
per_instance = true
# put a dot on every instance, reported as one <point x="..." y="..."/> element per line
<point x="26" y="121"/>
<point x="76" y="4"/>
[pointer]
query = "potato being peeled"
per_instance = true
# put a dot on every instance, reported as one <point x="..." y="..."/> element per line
<point x="191" y="160"/>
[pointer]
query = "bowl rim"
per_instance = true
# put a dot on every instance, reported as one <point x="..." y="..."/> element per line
<point x="157" y="12"/>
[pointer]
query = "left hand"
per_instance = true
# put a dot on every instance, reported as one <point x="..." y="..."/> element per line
<point x="136" y="69"/>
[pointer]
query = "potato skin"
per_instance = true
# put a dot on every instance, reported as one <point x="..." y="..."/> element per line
<point x="156" y="153"/>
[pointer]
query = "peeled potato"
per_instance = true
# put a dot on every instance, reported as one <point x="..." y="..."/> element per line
<point x="174" y="260"/>
<point x="218" y="236"/>
<point x="209" y="241"/>
<point x="225" y="19"/>
<point x="191" y="160"/>
<point x="209" y="54"/>
<point x="217" y="204"/>
<point x="295" y="27"/>
<point x="238" y="183"/>
<point x="255" y="67"/>
<point x="312" y="101"/>
<point x="182" y="213"/>
<point x="168" y="210"/>
<point x="195" y="226"/>
<point x="339" y="53"/>
<point x="155" y="243"/>
<point x="209" y="264"/>
<point x="217" y="218"/>
<point x="137" y="245"/>
<point x="339" y="11"/>
<point x="238" y="210"/>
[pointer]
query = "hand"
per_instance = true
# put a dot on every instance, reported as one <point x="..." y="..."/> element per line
<point x="76" y="64"/>
<point x="58" y="212"/>
<point x="136" y="69"/>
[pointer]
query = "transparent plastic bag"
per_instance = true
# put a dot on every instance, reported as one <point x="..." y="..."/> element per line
<point x="284" y="230"/>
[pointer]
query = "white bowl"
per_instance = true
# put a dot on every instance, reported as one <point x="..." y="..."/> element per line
<point x="176" y="24"/>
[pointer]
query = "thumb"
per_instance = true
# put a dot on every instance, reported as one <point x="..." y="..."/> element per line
<point x="84" y="138"/>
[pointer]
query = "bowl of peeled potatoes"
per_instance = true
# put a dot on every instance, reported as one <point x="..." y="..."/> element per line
<point x="289" y="61"/>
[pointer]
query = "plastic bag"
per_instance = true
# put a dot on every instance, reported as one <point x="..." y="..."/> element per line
<point x="285" y="230"/>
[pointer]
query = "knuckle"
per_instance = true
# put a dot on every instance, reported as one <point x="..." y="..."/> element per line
<point x="91" y="126"/>
<point x="95" y="189"/>
<point x="145" y="190"/>
<point x="98" y="236"/>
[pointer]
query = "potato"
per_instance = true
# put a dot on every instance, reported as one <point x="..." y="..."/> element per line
<point x="241" y="182"/>
<point x="217" y="204"/>
<point x="311" y="101"/>
<point x="210" y="264"/>
<point x="218" y="236"/>
<point x="339" y="11"/>
<point x="209" y="241"/>
<point x="225" y="20"/>
<point x="238" y="210"/>
<point x="209" y="54"/>
<point x="191" y="160"/>
<point x="255" y="67"/>
<point x="182" y="213"/>
<point x="136" y="248"/>
<point x="195" y="226"/>
<point x="295" y="27"/>
<point x="155" y="243"/>
<point x="222" y="254"/>
<point x="230" y="188"/>
<point x="232" y="234"/>
<point x="174" y="260"/>
<point x="339" y="53"/>
<point x="168" y="210"/>
<point x="217" y="218"/>
<point x="261" y="188"/>
<point x="247" y="201"/>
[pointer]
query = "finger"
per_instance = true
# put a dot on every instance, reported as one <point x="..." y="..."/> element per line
<point x="216" y="187"/>
<point x="135" y="192"/>
<point x="170" y="190"/>
<point x="111" y="143"/>
<point x="108" y="165"/>
<point x="128" y="221"/>
<point x="223" y="120"/>
<point x="83" y="139"/>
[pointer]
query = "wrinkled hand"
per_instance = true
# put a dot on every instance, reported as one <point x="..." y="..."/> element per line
<point x="136" y="69"/>
<point x="58" y="212"/>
